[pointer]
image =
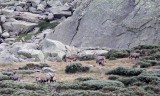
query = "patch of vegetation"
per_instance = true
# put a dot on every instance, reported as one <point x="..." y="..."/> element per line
<point x="33" y="66"/>
<point x="88" y="85"/>
<point x="42" y="25"/>
<point x="113" y="77"/>
<point x="10" y="88"/>
<point x="24" y="37"/>
<point x="76" y="67"/>
<point x="85" y="78"/>
<point x="113" y="54"/>
<point x="45" y="25"/>
<point x="99" y="84"/>
<point x="140" y="47"/>
<point x="25" y="71"/>
<point x="142" y="79"/>
<point x="5" y="77"/>
<point x="125" y="71"/>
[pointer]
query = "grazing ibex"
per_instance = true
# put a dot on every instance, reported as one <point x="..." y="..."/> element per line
<point x="42" y="79"/>
<point x="134" y="55"/>
<point x="71" y="58"/>
<point x="100" y="59"/>
<point x="15" y="77"/>
<point x="53" y="79"/>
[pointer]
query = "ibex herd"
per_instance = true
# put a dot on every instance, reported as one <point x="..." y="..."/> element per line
<point x="40" y="79"/>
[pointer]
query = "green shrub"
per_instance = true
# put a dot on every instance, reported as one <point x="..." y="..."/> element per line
<point x="25" y="71"/>
<point x="85" y="78"/>
<point x="125" y="71"/>
<point x="7" y="90"/>
<point x="110" y="88"/>
<point x="99" y="84"/>
<point x="86" y="93"/>
<point x="8" y="73"/>
<point x="76" y="67"/>
<point x="144" y="64"/>
<point x="112" y="58"/>
<point x="128" y="81"/>
<point x="151" y="73"/>
<point x="140" y="47"/>
<point x="34" y="66"/>
<point x="155" y="89"/>
<point x="142" y="79"/>
<point x="113" y="77"/>
<point x="44" y="25"/>
<point x="112" y="54"/>
<point x="5" y="77"/>
<point x="147" y="79"/>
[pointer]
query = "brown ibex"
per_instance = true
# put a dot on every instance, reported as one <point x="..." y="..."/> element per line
<point x="100" y="59"/>
<point x="15" y="77"/>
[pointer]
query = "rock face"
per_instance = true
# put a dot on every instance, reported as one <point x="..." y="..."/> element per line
<point x="52" y="48"/>
<point x="111" y="23"/>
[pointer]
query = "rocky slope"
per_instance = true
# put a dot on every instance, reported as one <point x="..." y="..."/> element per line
<point x="27" y="27"/>
<point x="112" y="23"/>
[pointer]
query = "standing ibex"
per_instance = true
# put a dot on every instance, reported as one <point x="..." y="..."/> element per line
<point x="100" y="59"/>
<point x="15" y="77"/>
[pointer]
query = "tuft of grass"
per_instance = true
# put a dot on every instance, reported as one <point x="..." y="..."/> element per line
<point x="42" y="25"/>
<point x="45" y="25"/>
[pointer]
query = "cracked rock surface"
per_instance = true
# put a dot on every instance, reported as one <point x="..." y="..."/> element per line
<point x="112" y="23"/>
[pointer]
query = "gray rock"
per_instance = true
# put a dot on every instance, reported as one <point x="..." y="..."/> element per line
<point x="19" y="26"/>
<point x="1" y="30"/>
<point x="48" y="69"/>
<point x="34" y="2"/>
<point x="58" y="13"/>
<point x="32" y="9"/>
<point x="92" y="52"/>
<point x="31" y="53"/>
<point x="113" y="24"/>
<point x="52" y="48"/>
<point x="3" y="18"/>
<point x="29" y="17"/>
<point x="19" y="8"/>
<point x="41" y="7"/>
<point x="54" y="3"/>
<point x="5" y="35"/>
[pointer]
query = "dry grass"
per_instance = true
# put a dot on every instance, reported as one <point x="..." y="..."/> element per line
<point x="96" y="71"/>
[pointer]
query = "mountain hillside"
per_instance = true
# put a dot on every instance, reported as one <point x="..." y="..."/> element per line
<point x="112" y="23"/>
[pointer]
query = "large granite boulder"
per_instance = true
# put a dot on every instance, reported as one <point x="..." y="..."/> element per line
<point x="111" y="23"/>
<point x="18" y="26"/>
<point x="52" y="48"/>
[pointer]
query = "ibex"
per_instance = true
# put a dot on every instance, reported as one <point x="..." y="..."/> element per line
<point x="100" y="59"/>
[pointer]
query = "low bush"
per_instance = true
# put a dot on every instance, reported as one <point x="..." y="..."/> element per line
<point x="5" y="77"/>
<point x="112" y="54"/>
<point x="34" y="66"/>
<point x="85" y="78"/>
<point x="76" y="67"/>
<point x="110" y="88"/>
<point x="151" y="73"/>
<point x="128" y="81"/>
<point x="86" y="93"/>
<point x="7" y="91"/>
<point x="144" y="64"/>
<point x="99" y="84"/>
<point x="25" y="71"/>
<point x="8" y="73"/>
<point x="113" y="77"/>
<point x="125" y="71"/>
<point x="140" y="47"/>
<point x="142" y="79"/>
